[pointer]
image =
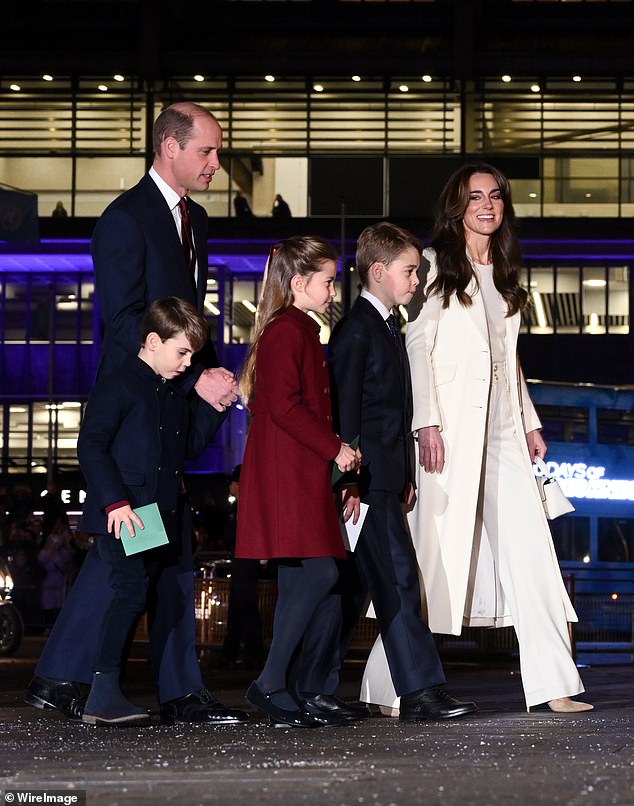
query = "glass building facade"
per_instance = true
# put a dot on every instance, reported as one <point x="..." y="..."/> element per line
<point x="349" y="123"/>
<point x="383" y="145"/>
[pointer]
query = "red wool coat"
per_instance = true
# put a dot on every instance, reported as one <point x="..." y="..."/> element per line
<point x="286" y="506"/>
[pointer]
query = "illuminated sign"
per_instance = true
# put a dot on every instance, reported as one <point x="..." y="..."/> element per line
<point x="578" y="480"/>
<point x="69" y="496"/>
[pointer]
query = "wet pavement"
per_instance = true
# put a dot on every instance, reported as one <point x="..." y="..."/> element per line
<point x="502" y="755"/>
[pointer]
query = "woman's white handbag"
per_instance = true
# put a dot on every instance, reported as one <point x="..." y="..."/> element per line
<point x="554" y="501"/>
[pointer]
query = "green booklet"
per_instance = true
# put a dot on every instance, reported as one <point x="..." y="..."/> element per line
<point x="336" y="473"/>
<point x="152" y="535"/>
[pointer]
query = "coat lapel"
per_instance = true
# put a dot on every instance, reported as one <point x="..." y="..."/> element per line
<point x="165" y="229"/>
<point x="401" y="369"/>
<point x="379" y="324"/>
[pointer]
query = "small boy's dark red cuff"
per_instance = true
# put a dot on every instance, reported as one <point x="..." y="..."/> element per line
<point x="116" y="505"/>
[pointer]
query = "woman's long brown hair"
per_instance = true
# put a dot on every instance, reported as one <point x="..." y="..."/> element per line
<point x="455" y="271"/>
<point x="301" y="254"/>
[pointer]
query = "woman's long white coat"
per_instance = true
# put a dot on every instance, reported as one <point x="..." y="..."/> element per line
<point x="450" y="359"/>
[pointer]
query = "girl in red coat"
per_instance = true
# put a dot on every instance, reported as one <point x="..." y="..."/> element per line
<point x="286" y="509"/>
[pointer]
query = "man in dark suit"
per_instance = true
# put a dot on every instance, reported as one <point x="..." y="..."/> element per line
<point x="372" y="401"/>
<point x="150" y="243"/>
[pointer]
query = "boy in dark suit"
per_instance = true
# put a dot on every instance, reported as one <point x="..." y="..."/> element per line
<point x="372" y="400"/>
<point x="138" y="429"/>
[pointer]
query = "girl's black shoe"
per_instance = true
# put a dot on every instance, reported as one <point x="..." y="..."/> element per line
<point x="279" y="717"/>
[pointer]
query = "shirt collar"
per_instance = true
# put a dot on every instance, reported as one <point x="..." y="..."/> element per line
<point x="376" y="303"/>
<point x="169" y="194"/>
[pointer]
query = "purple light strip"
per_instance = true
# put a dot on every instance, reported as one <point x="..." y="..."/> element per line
<point x="578" y="256"/>
<point x="255" y="251"/>
<point x="578" y="240"/>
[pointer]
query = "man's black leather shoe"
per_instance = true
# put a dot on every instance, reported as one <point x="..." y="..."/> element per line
<point x="201" y="706"/>
<point x="63" y="695"/>
<point x="329" y="704"/>
<point x="433" y="703"/>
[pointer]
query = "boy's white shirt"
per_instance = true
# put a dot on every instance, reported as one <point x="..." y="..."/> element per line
<point x="375" y="302"/>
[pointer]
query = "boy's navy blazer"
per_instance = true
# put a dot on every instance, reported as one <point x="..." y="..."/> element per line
<point x="372" y="397"/>
<point x="139" y="258"/>
<point x="136" y="433"/>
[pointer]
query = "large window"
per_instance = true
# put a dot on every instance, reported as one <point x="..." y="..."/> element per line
<point x="571" y="537"/>
<point x="580" y="186"/>
<point x="40" y="432"/>
<point x="616" y="540"/>
<point x="39" y="307"/>
<point x="241" y="297"/>
<point x="577" y="299"/>
<point x="564" y="423"/>
<point x="615" y="426"/>
<point x="565" y="143"/>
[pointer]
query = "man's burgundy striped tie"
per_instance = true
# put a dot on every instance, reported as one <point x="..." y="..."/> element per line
<point x="187" y="238"/>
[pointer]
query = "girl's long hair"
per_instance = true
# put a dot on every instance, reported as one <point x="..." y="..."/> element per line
<point x="303" y="255"/>
<point x="449" y="243"/>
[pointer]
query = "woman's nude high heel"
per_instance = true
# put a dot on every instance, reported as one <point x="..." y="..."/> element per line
<point x="564" y="705"/>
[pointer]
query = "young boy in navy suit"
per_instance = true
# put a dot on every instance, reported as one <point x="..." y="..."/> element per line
<point x="372" y="401"/>
<point x="137" y="431"/>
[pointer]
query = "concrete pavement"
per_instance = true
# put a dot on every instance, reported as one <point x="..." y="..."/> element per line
<point x="499" y="756"/>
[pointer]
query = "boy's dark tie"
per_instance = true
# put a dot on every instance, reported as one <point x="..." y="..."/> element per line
<point x="398" y="340"/>
<point x="391" y="324"/>
<point x="187" y="238"/>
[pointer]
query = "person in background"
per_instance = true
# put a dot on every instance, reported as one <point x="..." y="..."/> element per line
<point x="241" y="206"/>
<point x="280" y="208"/>
<point x="53" y="509"/>
<point x="59" y="211"/>
<point x="56" y="558"/>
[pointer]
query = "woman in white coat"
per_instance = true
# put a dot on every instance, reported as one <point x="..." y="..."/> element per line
<point x="484" y="548"/>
